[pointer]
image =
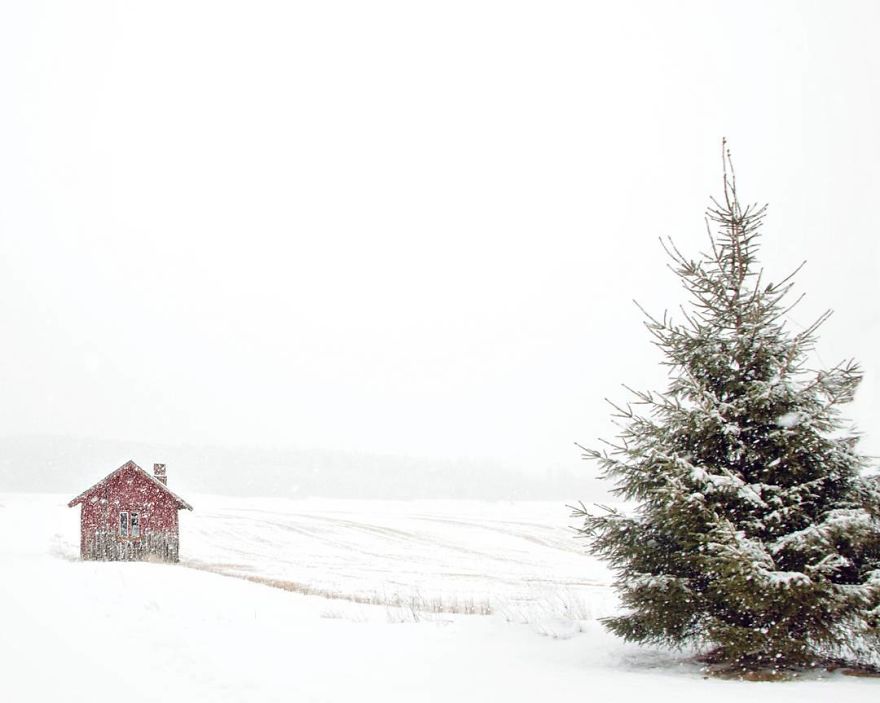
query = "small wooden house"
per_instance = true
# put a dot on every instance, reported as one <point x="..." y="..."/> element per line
<point x="130" y="515"/>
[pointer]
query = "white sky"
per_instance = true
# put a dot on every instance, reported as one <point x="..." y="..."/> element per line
<point x="407" y="227"/>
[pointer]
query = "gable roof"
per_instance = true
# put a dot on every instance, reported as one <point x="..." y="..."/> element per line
<point x="181" y="503"/>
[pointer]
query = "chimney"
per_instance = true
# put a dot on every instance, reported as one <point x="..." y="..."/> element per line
<point x="159" y="473"/>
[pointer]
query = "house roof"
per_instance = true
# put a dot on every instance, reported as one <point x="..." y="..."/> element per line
<point x="181" y="503"/>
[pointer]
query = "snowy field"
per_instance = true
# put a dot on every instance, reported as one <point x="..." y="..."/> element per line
<point x="399" y="574"/>
<point x="450" y="555"/>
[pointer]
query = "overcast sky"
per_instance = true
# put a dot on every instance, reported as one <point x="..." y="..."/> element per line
<point x="408" y="227"/>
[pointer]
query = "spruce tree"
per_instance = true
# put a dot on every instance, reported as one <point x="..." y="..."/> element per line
<point x="752" y="530"/>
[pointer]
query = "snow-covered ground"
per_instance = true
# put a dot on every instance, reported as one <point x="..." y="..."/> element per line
<point x="452" y="554"/>
<point x="96" y="632"/>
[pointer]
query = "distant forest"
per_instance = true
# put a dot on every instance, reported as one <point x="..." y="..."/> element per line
<point x="68" y="465"/>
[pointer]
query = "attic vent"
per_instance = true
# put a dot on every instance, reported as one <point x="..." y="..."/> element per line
<point x="159" y="473"/>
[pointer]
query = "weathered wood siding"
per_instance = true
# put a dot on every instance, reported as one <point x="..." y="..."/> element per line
<point x="159" y="546"/>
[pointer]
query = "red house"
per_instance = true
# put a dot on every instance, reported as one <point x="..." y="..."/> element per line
<point x="130" y="515"/>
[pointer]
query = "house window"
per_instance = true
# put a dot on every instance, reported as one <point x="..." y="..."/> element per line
<point x="129" y="524"/>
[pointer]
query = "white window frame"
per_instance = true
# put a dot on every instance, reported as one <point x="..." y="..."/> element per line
<point x="128" y="521"/>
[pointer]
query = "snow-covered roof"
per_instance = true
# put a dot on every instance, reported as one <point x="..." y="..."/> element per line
<point x="181" y="503"/>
